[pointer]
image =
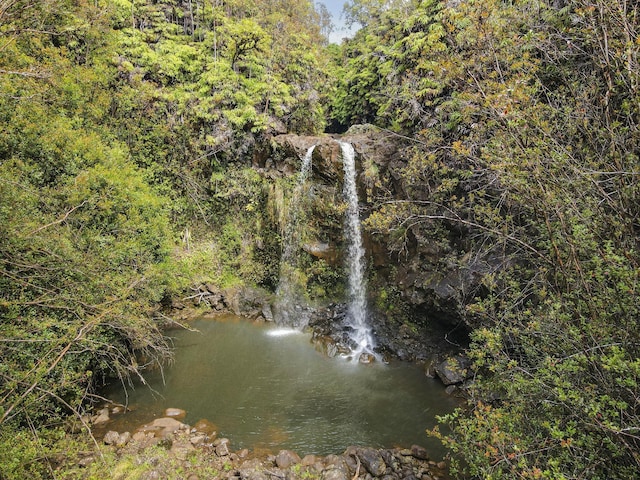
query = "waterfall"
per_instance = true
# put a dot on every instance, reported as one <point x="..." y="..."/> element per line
<point x="357" y="313"/>
<point x="287" y="308"/>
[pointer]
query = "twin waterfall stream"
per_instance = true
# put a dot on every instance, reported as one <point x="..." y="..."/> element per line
<point x="287" y="308"/>
<point x="265" y="387"/>
<point x="361" y="332"/>
<point x="288" y="311"/>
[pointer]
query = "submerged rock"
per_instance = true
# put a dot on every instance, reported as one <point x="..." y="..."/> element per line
<point x="162" y="427"/>
<point x="205" y="426"/>
<point x="101" y="417"/>
<point x="419" y="452"/>
<point x="177" y="413"/>
<point x="366" y="358"/>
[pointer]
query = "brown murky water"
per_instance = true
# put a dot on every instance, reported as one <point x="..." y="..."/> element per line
<point x="267" y="387"/>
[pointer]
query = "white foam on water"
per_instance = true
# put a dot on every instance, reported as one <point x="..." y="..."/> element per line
<point x="283" y="332"/>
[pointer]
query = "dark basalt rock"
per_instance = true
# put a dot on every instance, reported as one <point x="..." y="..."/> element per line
<point x="370" y="459"/>
<point x="418" y="292"/>
<point x="431" y="291"/>
<point x="453" y="370"/>
<point x="331" y="335"/>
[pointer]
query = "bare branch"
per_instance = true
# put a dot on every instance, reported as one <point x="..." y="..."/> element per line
<point x="60" y="220"/>
<point x="30" y="73"/>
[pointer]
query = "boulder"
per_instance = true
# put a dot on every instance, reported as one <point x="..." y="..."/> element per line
<point x="370" y="459"/>
<point x="287" y="458"/>
<point x="335" y="468"/>
<point x="139" y="436"/>
<point x="309" y="460"/>
<point x="366" y="358"/>
<point x="101" y="417"/>
<point x="125" y="437"/>
<point x="248" y="302"/>
<point x="334" y="474"/>
<point x="453" y="370"/>
<point x="176" y="413"/>
<point x="162" y="427"/>
<point x="222" y="447"/>
<point x="391" y="476"/>
<point x="167" y="423"/>
<point x="111" y="438"/>
<point x="117" y="409"/>
<point x="419" y="452"/>
<point x="198" y="439"/>
<point x="373" y="462"/>
<point x="181" y="450"/>
<point x="267" y="313"/>
<point x="252" y="470"/>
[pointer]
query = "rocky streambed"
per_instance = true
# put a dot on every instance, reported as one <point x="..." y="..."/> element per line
<point x="166" y="445"/>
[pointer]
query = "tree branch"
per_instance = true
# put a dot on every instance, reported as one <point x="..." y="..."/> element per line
<point x="60" y="220"/>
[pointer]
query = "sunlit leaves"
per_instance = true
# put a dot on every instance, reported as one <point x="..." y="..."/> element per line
<point x="523" y="122"/>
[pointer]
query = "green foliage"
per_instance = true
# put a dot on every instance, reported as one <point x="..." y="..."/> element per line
<point x="84" y="239"/>
<point x="52" y="453"/>
<point x="31" y="453"/>
<point x="78" y="282"/>
<point x="198" y="84"/>
<point x="521" y="120"/>
<point x="524" y="120"/>
<point x="246" y="240"/>
<point x="389" y="69"/>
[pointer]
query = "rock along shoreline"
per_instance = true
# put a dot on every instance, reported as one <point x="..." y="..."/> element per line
<point x="161" y="447"/>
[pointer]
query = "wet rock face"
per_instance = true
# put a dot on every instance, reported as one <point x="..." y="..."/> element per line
<point x="430" y="291"/>
<point x="417" y="298"/>
<point x="287" y="150"/>
<point x="331" y="335"/>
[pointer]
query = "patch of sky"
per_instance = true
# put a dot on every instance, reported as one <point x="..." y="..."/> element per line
<point x="340" y="29"/>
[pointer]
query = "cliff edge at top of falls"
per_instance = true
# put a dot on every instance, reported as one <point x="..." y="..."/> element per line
<point x="283" y="152"/>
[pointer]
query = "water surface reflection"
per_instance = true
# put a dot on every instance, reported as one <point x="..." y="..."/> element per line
<point x="269" y="388"/>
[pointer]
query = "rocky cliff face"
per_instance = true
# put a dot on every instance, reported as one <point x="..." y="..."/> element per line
<point x="417" y="290"/>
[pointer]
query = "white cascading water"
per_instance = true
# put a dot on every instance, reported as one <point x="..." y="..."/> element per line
<point x="288" y="310"/>
<point x="357" y="314"/>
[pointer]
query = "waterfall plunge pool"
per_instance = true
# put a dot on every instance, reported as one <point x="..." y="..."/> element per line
<point x="267" y="387"/>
